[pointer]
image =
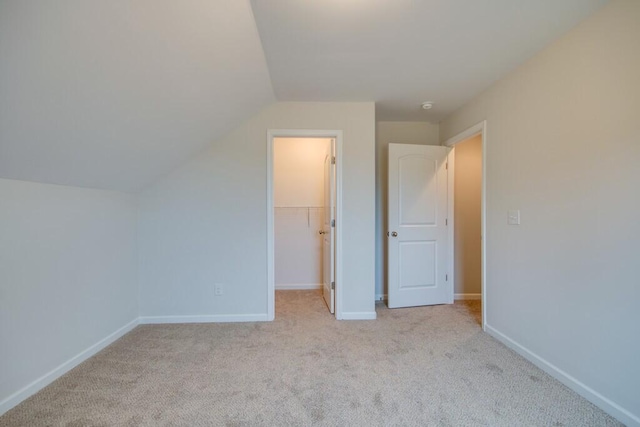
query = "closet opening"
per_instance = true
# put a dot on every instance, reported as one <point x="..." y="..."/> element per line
<point x="304" y="224"/>
<point x="468" y="253"/>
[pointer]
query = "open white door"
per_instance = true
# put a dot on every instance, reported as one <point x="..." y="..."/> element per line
<point x="417" y="228"/>
<point x="328" y="228"/>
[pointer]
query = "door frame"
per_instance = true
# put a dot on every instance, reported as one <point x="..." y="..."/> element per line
<point x="475" y="130"/>
<point x="303" y="133"/>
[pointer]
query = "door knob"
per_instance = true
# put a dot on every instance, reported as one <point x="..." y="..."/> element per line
<point x="394" y="234"/>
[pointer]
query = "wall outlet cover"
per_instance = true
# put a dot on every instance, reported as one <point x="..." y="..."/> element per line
<point x="514" y="217"/>
<point x="218" y="289"/>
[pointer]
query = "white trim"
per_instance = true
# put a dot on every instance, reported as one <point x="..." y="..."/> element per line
<point x="451" y="267"/>
<point x="459" y="297"/>
<point x="359" y="315"/>
<point x="204" y="318"/>
<point x="62" y="369"/>
<point x="303" y="133"/>
<point x="615" y="410"/>
<point x="479" y="129"/>
<point x="338" y="231"/>
<point x="271" y="275"/>
<point x="298" y="286"/>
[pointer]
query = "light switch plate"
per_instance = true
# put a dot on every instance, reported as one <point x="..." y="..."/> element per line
<point x="514" y="217"/>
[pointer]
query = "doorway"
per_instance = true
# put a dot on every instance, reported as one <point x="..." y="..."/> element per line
<point x="467" y="167"/>
<point x="303" y="215"/>
<point x="467" y="229"/>
<point x="436" y="254"/>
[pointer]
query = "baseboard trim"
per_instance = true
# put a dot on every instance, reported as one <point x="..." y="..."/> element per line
<point x="212" y="318"/>
<point x="56" y="373"/>
<point x="467" y="296"/>
<point x="298" y="287"/>
<point x="607" y="405"/>
<point x="359" y="315"/>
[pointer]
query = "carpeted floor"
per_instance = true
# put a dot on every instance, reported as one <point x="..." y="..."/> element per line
<point x="426" y="366"/>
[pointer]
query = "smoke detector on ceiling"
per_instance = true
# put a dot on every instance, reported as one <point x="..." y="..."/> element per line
<point x="427" y="105"/>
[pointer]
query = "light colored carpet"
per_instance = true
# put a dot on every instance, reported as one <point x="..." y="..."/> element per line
<point x="427" y="366"/>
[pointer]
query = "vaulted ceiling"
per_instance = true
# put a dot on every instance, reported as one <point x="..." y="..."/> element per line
<point x="114" y="94"/>
<point x="402" y="52"/>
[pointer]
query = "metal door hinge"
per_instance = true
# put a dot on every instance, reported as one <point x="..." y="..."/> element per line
<point x="333" y="222"/>
<point x="446" y="277"/>
<point x="333" y="285"/>
<point x="446" y="221"/>
<point x="333" y="160"/>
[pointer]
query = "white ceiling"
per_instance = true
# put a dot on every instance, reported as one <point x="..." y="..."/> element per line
<point x="399" y="53"/>
<point x="114" y="94"/>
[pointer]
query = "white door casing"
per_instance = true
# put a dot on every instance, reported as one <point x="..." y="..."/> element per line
<point x="477" y="129"/>
<point x="337" y="136"/>
<point x="417" y="227"/>
<point x="328" y="229"/>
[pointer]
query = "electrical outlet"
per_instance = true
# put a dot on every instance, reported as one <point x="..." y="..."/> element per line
<point x="218" y="289"/>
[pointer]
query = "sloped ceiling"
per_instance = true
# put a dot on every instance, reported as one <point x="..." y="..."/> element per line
<point x="399" y="53"/>
<point x="116" y="93"/>
<point x="113" y="94"/>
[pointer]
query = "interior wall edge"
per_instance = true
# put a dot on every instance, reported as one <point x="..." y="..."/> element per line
<point x="46" y="379"/>
<point x="612" y="408"/>
<point x="206" y="318"/>
<point x="358" y="315"/>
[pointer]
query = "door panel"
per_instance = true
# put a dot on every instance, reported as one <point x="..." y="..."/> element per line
<point x="418" y="202"/>
<point x="417" y="253"/>
<point x="417" y="241"/>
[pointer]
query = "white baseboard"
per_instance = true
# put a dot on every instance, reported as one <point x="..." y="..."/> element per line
<point x="607" y="405"/>
<point x="298" y="286"/>
<point x="358" y="315"/>
<point x="467" y="296"/>
<point x="56" y="373"/>
<point x="213" y="318"/>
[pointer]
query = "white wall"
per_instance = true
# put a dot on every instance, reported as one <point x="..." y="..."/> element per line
<point x="298" y="172"/>
<point x="206" y="222"/>
<point x="298" y="247"/>
<point x="298" y="193"/>
<point x="563" y="141"/>
<point x="422" y="133"/>
<point x="68" y="270"/>
<point x="467" y="214"/>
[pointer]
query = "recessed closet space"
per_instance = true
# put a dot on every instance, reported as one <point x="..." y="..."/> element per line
<point x="468" y="219"/>
<point x="299" y="176"/>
